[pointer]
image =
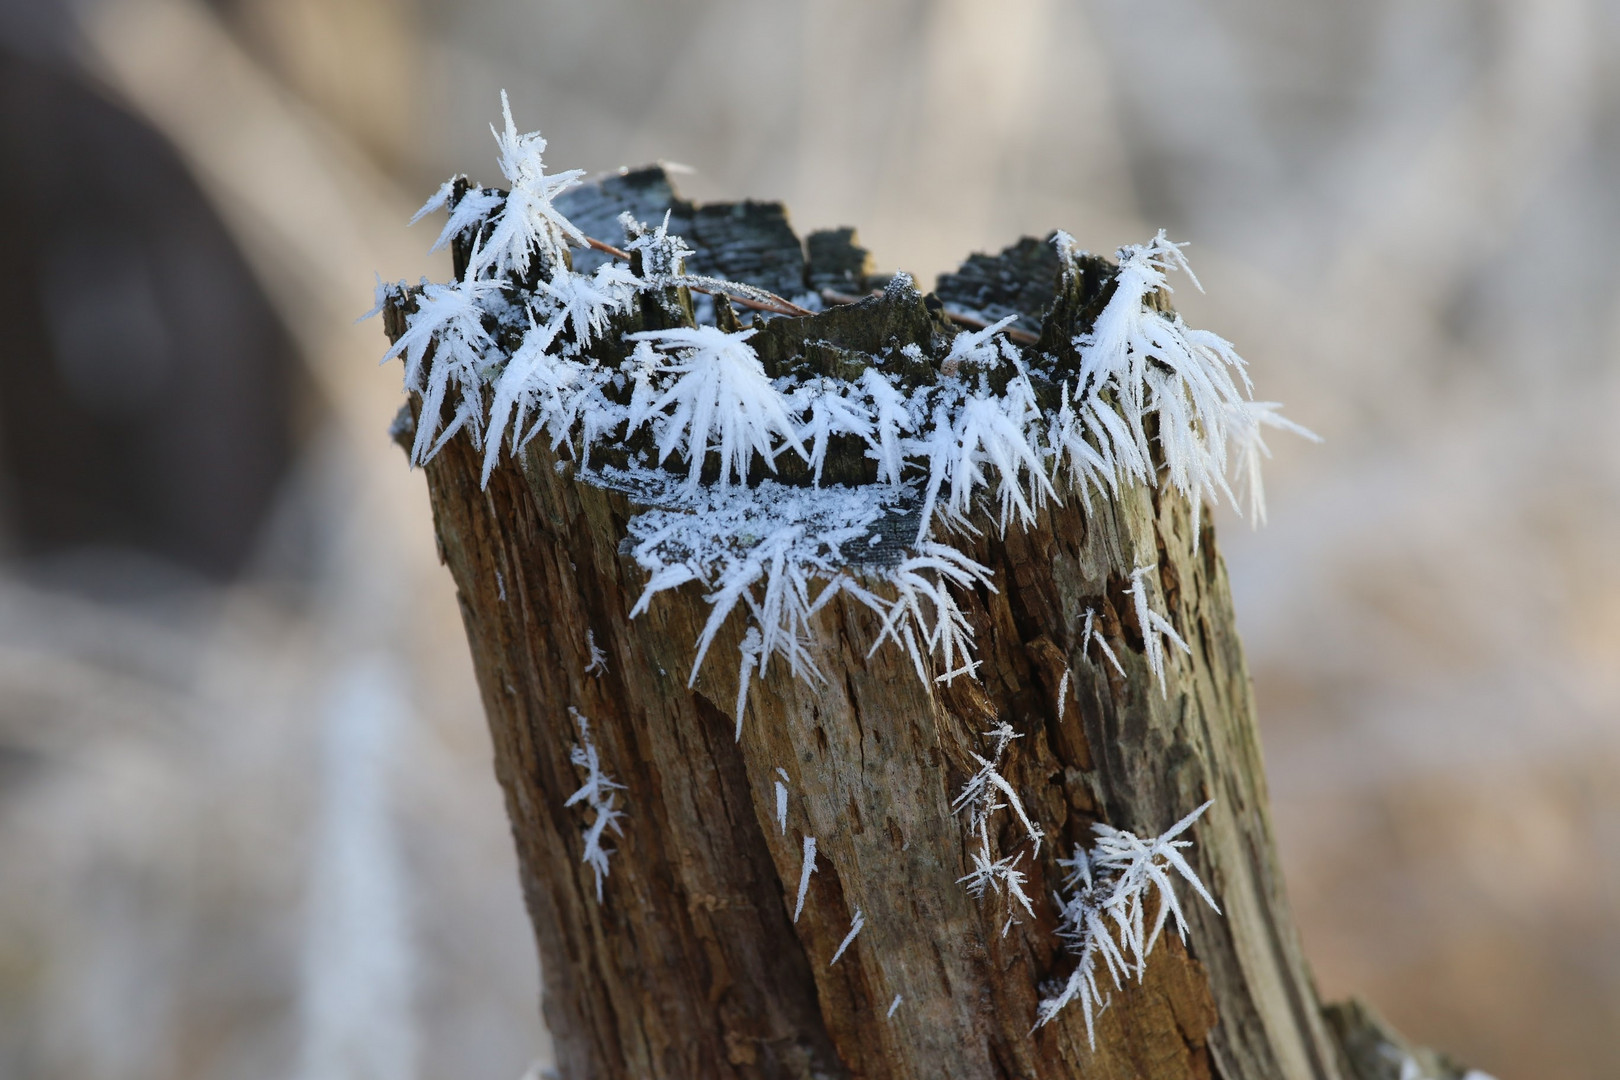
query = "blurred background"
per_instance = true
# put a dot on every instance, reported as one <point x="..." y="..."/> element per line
<point x="248" y="826"/>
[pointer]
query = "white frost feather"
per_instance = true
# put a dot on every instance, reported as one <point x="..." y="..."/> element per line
<point x="1104" y="915"/>
<point x="1155" y="627"/>
<point x="449" y="320"/>
<point x="982" y="796"/>
<point x="721" y="394"/>
<point x="1138" y="361"/>
<point x="855" y="928"/>
<point x="805" y="871"/>
<point x="528" y="223"/>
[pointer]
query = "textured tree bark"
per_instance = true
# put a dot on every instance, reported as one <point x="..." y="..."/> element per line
<point x="692" y="965"/>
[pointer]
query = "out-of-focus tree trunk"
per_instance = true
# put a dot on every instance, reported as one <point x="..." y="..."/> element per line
<point x="692" y="965"/>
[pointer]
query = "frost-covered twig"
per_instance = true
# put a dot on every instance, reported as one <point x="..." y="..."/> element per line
<point x="1104" y="915"/>
<point x="1090" y="634"/>
<point x="666" y="272"/>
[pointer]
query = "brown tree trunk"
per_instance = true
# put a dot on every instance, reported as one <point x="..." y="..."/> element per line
<point x="692" y="967"/>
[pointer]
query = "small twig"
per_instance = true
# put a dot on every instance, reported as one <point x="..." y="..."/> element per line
<point x="617" y="253"/>
<point x="972" y="322"/>
<point x="766" y="301"/>
<point x="748" y="296"/>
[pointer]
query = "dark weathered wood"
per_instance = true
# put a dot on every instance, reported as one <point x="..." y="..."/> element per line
<point x="691" y="966"/>
<point x="1015" y="282"/>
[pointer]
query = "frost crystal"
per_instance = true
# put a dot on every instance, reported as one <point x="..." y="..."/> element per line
<point x="450" y="320"/>
<point x="1104" y="915"/>
<point x="805" y="871"/>
<point x="1090" y="634"/>
<point x="855" y="928"/>
<point x="587" y="303"/>
<point x="982" y="796"/>
<point x="597" y="793"/>
<point x="1138" y="362"/>
<point x="722" y="394"/>
<point x="475" y="205"/>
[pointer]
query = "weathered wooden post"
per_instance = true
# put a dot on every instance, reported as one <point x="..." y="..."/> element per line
<point x="710" y="949"/>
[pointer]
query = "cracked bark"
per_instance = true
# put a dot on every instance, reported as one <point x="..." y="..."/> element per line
<point x="691" y="966"/>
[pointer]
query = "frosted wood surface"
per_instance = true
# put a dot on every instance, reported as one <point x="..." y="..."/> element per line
<point x="691" y="965"/>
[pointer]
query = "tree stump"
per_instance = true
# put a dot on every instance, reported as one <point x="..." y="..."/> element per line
<point x="692" y="964"/>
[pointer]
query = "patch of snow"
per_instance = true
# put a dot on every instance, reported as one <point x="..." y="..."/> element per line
<point x="1155" y="627"/>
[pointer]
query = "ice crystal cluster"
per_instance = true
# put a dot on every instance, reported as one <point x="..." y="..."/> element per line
<point x="982" y="796"/>
<point x="1103" y="917"/>
<point x="596" y="793"/>
<point x="612" y="370"/>
<point x="776" y="466"/>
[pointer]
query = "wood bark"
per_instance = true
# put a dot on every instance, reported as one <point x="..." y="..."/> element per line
<point x="692" y="966"/>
